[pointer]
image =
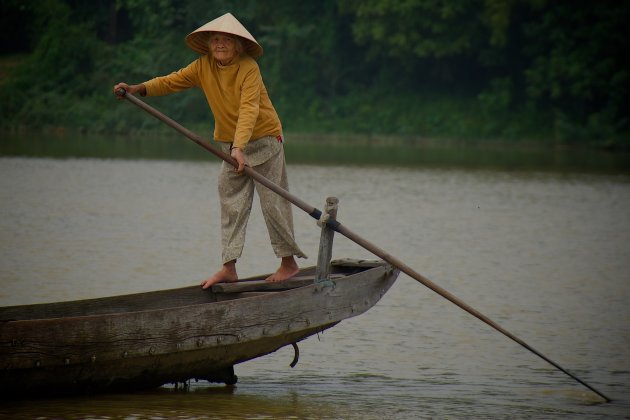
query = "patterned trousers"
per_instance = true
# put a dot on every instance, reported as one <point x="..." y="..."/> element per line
<point x="236" y="192"/>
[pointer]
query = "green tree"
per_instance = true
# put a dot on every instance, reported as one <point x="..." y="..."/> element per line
<point x="579" y="66"/>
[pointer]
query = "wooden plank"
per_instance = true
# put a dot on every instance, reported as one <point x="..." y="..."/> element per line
<point x="161" y="299"/>
<point x="265" y="286"/>
<point x="352" y="262"/>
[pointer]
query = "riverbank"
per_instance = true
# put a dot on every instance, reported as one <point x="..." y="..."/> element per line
<point x="333" y="139"/>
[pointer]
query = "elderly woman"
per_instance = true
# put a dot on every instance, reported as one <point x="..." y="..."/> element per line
<point x="247" y="127"/>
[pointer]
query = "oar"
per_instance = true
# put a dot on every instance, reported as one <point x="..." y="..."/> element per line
<point x="338" y="227"/>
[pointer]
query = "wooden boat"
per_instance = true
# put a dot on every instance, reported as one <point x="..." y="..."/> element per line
<point x="145" y="340"/>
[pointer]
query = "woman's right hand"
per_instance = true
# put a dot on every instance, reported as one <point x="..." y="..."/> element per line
<point x="239" y="156"/>
<point x="133" y="89"/>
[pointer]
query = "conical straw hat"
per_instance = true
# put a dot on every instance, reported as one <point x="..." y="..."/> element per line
<point x="198" y="39"/>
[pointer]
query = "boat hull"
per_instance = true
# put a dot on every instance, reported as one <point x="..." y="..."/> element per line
<point x="139" y="349"/>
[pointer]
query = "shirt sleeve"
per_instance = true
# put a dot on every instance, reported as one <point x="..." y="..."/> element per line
<point x="249" y="108"/>
<point x="177" y="81"/>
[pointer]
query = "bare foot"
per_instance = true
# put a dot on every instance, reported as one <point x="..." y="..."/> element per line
<point x="227" y="274"/>
<point x="288" y="268"/>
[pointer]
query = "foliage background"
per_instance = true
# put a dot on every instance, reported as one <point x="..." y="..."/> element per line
<point x="550" y="71"/>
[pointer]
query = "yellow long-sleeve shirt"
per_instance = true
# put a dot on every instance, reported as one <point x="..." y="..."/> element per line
<point x="236" y="94"/>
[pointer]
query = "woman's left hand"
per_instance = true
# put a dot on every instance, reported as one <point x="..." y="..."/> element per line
<point x="238" y="154"/>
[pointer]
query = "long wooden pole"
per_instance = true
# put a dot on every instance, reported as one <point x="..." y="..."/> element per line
<point x="338" y="227"/>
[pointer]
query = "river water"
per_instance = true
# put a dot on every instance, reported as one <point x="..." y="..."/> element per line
<point x="545" y="254"/>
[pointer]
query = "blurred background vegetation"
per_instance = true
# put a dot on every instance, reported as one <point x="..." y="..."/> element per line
<point x="548" y="71"/>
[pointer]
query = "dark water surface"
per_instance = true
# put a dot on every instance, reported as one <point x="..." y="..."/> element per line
<point x="544" y="253"/>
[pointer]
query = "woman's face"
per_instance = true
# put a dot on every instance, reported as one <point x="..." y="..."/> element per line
<point x="223" y="47"/>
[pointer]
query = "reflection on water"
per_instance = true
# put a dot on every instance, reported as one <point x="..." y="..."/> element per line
<point x="206" y="403"/>
<point x="547" y="255"/>
<point x="328" y="149"/>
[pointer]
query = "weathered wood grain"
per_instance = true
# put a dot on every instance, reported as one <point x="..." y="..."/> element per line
<point x="148" y="346"/>
<point x="324" y="255"/>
